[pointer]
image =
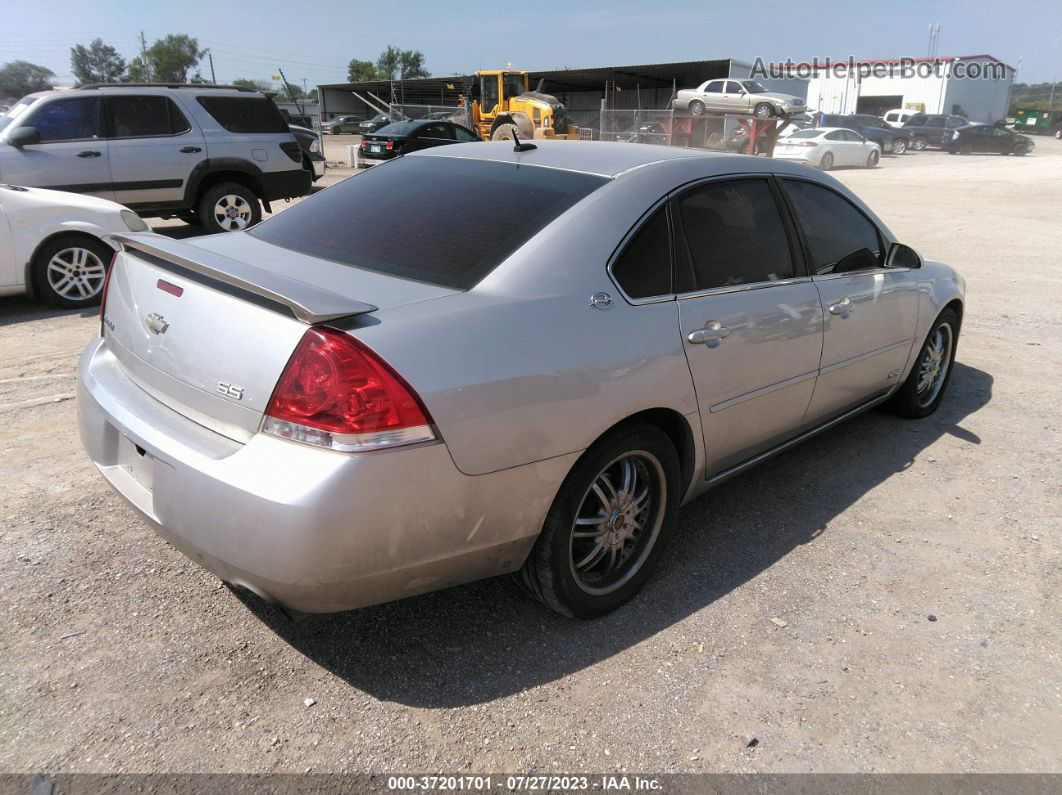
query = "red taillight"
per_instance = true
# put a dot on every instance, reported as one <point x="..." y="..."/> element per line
<point x="103" y="292"/>
<point x="364" y="145"/>
<point x="335" y="392"/>
<point x="390" y="145"/>
<point x="292" y="150"/>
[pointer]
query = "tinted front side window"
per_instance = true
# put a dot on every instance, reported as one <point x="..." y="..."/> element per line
<point x="445" y="221"/>
<point x="643" y="269"/>
<point x="464" y="135"/>
<point x="245" y="114"/>
<point x="135" y="117"/>
<point x="67" y="119"/>
<point x="840" y="238"/>
<point x="734" y="234"/>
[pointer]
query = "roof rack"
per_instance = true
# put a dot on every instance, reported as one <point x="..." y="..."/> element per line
<point x="89" y="86"/>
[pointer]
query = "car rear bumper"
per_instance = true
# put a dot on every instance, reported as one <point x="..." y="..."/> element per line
<point x="312" y="529"/>
<point x="287" y="184"/>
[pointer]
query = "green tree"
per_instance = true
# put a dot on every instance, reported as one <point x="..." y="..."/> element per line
<point x="168" y="60"/>
<point x="311" y="95"/>
<point x="19" y="78"/>
<point x="254" y="85"/>
<point x="361" y="71"/>
<point x="97" y="63"/>
<point x="389" y="64"/>
<point x="411" y="64"/>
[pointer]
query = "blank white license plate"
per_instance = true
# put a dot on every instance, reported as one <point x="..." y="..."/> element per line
<point x="137" y="462"/>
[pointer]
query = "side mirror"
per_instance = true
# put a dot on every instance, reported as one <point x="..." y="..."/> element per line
<point x="24" y="136"/>
<point x="901" y="256"/>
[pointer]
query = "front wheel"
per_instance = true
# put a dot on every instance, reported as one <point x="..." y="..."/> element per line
<point x="764" y="110"/>
<point x="229" y="207"/>
<point x="966" y="149"/>
<point x="696" y="108"/>
<point x="899" y="146"/>
<point x="827" y="162"/>
<point x="69" y="272"/>
<point x="607" y="525"/>
<point x="921" y="393"/>
<point x="504" y="132"/>
<point x="873" y="159"/>
<point x="918" y="143"/>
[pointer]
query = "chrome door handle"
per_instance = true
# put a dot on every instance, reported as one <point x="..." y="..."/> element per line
<point x="710" y="335"/>
<point x="842" y="307"/>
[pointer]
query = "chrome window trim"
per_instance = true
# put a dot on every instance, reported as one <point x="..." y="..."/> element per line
<point x="741" y="288"/>
<point x="825" y="277"/>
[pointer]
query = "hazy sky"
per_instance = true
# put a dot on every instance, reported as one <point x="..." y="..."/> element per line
<point x="314" y="39"/>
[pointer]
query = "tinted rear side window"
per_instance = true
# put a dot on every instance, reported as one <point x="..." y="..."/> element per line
<point x="644" y="268"/>
<point x="445" y="221"/>
<point x="245" y="114"/>
<point x="143" y="116"/>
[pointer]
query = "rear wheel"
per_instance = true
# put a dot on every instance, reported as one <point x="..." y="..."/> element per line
<point x="921" y="393"/>
<point x="827" y="162"/>
<point x="607" y="525"/>
<point x="69" y="272"/>
<point x="899" y="146"/>
<point x="918" y="143"/>
<point x="764" y="110"/>
<point x="229" y="207"/>
<point x="696" y="108"/>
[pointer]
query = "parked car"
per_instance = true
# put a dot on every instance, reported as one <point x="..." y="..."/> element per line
<point x="340" y="125"/>
<point x="888" y="139"/>
<point x="313" y="159"/>
<point x="984" y="138"/>
<point x="745" y="97"/>
<point x="826" y="147"/>
<point x="898" y="116"/>
<point x="483" y="366"/>
<point x="929" y="129"/>
<point x="56" y="246"/>
<point x="403" y="137"/>
<point x="208" y="154"/>
<point x="374" y="124"/>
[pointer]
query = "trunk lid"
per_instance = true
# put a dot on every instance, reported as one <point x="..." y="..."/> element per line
<point x="209" y="335"/>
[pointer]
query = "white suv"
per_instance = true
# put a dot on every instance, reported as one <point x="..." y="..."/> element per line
<point x="207" y="154"/>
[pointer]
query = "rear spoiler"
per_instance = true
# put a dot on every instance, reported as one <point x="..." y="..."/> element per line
<point x="307" y="302"/>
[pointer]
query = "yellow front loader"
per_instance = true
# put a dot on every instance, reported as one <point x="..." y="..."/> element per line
<point x="506" y="106"/>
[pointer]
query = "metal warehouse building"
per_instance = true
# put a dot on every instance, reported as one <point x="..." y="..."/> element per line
<point x="581" y="90"/>
<point x="974" y="86"/>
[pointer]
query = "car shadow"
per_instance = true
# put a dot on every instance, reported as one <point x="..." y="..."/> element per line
<point x="23" y="309"/>
<point x="483" y="641"/>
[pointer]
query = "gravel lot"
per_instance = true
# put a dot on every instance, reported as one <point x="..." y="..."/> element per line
<point x="883" y="598"/>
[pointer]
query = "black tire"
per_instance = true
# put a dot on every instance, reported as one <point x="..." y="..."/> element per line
<point x="1021" y="151"/>
<point x="913" y="403"/>
<point x="827" y="162"/>
<point x="75" y="280"/>
<point x="966" y="149"/>
<point x="190" y="217"/>
<point x="696" y="108"/>
<point x="899" y="146"/>
<point x="764" y="110"/>
<point x="918" y="143"/>
<point x="873" y="159"/>
<point x="550" y="570"/>
<point x="211" y="199"/>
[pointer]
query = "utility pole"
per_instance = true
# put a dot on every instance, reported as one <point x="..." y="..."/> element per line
<point x="143" y="55"/>
<point x="213" y="79"/>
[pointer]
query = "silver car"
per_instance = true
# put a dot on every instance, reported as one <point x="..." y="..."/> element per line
<point x="743" y="97"/>
<point x="472" y="361"/>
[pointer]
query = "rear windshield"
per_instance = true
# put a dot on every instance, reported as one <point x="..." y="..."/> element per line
<point x="397" y="128"/>
<point x="805" y="134"/>
<point x="444" y="221"/>
<point x="245" y="114"/>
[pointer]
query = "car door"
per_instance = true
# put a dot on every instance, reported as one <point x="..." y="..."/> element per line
<point x="999" y="141"/>
<point x="713" y="95"/>
<point x="869" y="310"/>
<point x="750" y="319"/>
<point x="153" y="148"/>
<point x="9" y="275"/>
<point x="430" y="135"/>
<point x="835" y="141"/>
<point x="71" y="154"/>
<point x="734" y="98"/>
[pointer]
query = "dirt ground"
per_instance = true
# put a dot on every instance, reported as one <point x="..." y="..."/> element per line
<point x="883" y="598"/>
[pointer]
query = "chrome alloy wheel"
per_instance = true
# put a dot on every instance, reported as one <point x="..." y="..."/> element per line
<point x="232" y="212"/>
<point x="76" y="274"/>
<point x="933" y="368"/>
<point x="618" y="522"/>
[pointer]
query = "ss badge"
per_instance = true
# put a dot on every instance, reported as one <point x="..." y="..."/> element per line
<point x="230" y="390"/>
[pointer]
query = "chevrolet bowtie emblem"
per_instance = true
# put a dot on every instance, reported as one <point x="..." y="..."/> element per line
<point x="156" y="323"/>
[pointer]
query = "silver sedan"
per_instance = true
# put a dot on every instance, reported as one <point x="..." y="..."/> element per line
<point x="476" y="360"/>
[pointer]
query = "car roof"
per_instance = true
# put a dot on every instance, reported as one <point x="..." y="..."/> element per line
<point x="603" y="158"/>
